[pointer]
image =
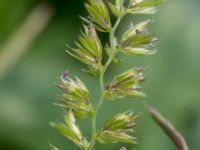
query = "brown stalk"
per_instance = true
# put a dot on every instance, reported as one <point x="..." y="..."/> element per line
<point x="168" y="128"/>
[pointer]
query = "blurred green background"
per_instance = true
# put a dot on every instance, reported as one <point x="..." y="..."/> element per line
<point x="28" y="90"/>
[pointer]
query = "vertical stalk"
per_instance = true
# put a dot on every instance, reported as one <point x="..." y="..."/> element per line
<point x="101" y="79"/>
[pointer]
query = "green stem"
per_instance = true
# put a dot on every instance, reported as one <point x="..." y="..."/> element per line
<point x="92" y="143"/>
<point x="99" y="103"/>
<point x="101" y="79"/>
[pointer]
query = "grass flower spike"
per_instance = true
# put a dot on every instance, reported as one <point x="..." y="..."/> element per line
<point x="76" y="97"/>
<point x="117" y="129"/>
<point x="76" y="100"/>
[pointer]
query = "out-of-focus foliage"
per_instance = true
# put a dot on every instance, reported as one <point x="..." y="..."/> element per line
<point x="27" y="93"/>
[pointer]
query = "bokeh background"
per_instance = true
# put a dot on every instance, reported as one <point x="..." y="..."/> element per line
<point x="28" y="89"/>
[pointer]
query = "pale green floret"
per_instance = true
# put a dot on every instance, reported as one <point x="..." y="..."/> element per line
<point x="89" y="50"/>
<point x="118" y="128"/>
<point x="134" y="30"/>
<point x="109" y="137"/>
<point x="117" y="8"/>
<point x="139" y="51"/>
<point x="99" y="15"/>
<point x="126" y="84"/>
<point x="137" y="41"/>
<point x="70" y="130"/>
<point x="144" y="6"/>
<point x="76" y="97"/>
<point x="139" y="44"/>
<point x="122" y="121"/>
<point x="53" y="147"/>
